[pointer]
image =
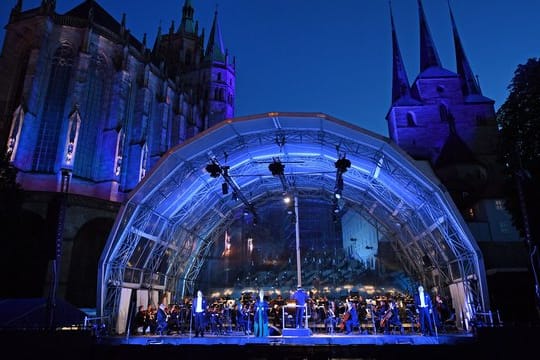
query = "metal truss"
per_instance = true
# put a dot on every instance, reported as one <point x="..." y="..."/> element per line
<point x="168" y="226"/>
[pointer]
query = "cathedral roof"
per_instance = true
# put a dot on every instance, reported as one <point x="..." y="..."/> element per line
<point x="436" y="72"/>
<point x="99" y="15"/>
<point x="455" y="151"/>
<point x="92" y="11"/>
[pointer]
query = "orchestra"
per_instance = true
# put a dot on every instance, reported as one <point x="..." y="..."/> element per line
<point x="226" y="316"/>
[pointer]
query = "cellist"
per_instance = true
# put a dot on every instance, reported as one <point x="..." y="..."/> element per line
<point x="352" y="319"/>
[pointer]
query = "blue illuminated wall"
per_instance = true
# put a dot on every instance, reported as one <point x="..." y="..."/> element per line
<point x="102" y="104"/>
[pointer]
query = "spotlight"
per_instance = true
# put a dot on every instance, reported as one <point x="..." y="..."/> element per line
<point x="343" y="164"/>
<point x="235" y="196"/>
<point x="225" y="188"/>
<point x="276" y="168"/>
<point x="214" y="170"/>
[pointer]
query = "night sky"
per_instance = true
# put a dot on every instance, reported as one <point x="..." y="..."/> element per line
<point x="335" y="57"/>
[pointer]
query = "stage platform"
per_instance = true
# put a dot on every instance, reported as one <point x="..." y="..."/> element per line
<point x="493" y="343"/>
<point x="337" y="339"/>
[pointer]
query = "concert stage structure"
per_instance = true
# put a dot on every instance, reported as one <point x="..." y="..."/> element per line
<point x="168" y="229"/>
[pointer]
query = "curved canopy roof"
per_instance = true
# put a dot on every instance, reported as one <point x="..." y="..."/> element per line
<point x="164" y="229"/>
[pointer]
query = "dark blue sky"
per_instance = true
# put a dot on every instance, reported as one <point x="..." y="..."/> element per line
<point x="335" y="57"/>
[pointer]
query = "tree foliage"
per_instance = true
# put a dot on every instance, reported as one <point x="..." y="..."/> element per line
<point x="519" y="122"/>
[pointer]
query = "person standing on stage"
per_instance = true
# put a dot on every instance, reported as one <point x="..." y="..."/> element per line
<point x="424" y="308"/>
<point x="198" y="310"/>
<point x="301" y="298"/>
<point x="261" y="316"/>
<point x="162" y="319"/>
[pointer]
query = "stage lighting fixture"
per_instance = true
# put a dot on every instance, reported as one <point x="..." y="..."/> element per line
<point x="214" y="170"/>
<point x="276" y="168"/>
<point x="343" y="164"/>
<point x="225" y="188"/>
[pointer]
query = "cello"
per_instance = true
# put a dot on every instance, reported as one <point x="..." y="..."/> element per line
<point x="344" y="319"/>
<point x="387" y="315"/>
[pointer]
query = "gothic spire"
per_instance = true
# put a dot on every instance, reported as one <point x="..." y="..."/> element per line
<point x="214" y="48"/>
<point x="157" y="43"/>
<point x="18" y="6"/>
<point x="428" y="53"/>
<point x="187" y="24"/>
<point x="400" y="81"/>
<point x="470" y="85"/>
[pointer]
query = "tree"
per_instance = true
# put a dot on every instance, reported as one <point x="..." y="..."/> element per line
<point x="519" y="122"/>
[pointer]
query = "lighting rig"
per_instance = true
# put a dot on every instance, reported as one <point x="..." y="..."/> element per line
<point x="215" y="170"/>
<point x="277" y="168"/>
<point x="342" y="165"/>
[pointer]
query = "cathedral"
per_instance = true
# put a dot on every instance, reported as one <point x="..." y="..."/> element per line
<point x="88" y="109"/>
<point x="87" y="102"/>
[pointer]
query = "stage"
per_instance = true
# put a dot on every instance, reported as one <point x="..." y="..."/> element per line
<point x="487" y="343"/>
<point x="337" y="339"/>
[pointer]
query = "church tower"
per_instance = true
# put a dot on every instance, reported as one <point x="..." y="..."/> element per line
<point x="209" y="71"/>
<point x="444" y="119"/>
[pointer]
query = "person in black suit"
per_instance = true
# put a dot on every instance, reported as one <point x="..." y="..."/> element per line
<point x="424" y="308"/>
<point x="198" y="310"/>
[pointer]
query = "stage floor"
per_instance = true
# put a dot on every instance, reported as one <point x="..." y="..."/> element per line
<point x="301" y="340"/>
<point x="495" y="343"/>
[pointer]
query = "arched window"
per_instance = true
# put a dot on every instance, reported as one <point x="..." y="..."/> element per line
<point x="93" y="109"/>
<point x="74" y="125"/>
<point x="443" y="112"/>
<point x="46" y="150"/>
<point x="188" y="57"/>
<point x="144" y="161"/>
<point x="15" y="132"/>
<point x="120" y="141"/>
<point x="411" y="120"/>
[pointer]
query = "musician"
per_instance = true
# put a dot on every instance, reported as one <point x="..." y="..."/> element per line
<point x="174" y="322"/>
<point x="216" y="319"/>
<point x="391" y="318"/>
<point x="330" y="320"/>
<point x="243" y="318"/>
<point x="139" y="323"/>
<point x="442" y="311"/>
<point x="351" y="321"/>
<point x="162" y="320"/>
<point x="424" y="308"/>
<point x="301" y="298"/>
<point x="260" y="325"/>
<point x="198" y="310"/>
